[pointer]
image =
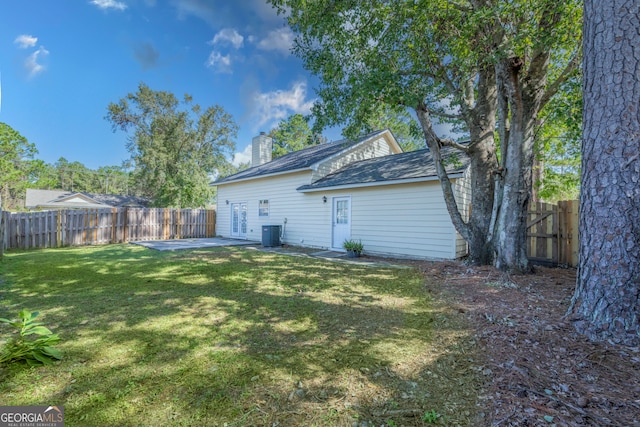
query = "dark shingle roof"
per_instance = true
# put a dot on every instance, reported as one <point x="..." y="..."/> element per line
<point x="53" y="198"/>
<point x="395" y="167"/>
<point x="297" y="160"/>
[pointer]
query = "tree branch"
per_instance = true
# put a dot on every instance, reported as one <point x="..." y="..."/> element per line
<point x="566" y="73"/>
<point x="434" y="143"/>
<point x="444" y="115"/>
<point x="447" y="142"/>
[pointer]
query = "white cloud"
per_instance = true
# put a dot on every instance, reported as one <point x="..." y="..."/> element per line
<point x="220" y="63"/>
<point x="31" y="63"/>
<point x="280" y="40"/>
<point x="24" y="41"/>
<point x="242" y="157"/>
<point x="109" y="4"/>
<point x="271" y="107"/>
<point x="228" y="36"/>
<point x="202" y="9"/>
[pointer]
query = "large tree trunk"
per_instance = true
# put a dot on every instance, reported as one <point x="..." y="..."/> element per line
<point x="606" y="302"/>
<point x="511" y="228"/>
<point x="480" y="116"/>
<point x="521" y="93"/>
<point x="484" y="164"/>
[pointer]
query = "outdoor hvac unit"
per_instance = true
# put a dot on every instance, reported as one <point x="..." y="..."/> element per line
<point x="270" y="235"/>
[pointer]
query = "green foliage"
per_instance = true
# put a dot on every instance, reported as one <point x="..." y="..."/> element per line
<point x="431" y="417"/>
<point x="176" y="147"/>
<point x="402" y="54"/>
<point x="76" y="177"/>
<point x="397" y="119"/>
<point x="353" y="245"/>
<point x="17" y="166"/>
<point x="558" y="144"/>
<point x="292" y="134"/>
<point x="24" y="347"/>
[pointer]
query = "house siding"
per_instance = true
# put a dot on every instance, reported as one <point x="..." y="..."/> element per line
<point x="405" y="220"/>
<point x="399" y="220"/>
<point x="378" y="147"/>
<point x="409" y="220"/>
<point x="308" y="217"/>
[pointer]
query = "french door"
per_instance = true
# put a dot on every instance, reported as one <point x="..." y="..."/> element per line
<point x="239" y="220"/>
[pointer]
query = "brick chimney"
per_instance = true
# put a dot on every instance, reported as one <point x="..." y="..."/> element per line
<point x="261" y="147"/>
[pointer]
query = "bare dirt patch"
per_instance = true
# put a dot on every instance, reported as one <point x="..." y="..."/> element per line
<point x="538" y="370"/>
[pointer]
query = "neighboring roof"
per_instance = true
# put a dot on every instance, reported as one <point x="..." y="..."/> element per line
<point x="298" y="160"/>
<point x="395" y="168"/>
<point x="69" y="199"/>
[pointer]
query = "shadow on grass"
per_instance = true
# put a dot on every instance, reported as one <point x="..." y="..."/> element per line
<point x="224" y="335"/>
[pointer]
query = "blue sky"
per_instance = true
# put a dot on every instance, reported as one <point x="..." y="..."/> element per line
<point x="62" y="62"/>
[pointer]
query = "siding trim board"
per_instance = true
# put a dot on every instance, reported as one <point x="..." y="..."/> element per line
<point x="253" y="178"/>
<point x="376" y="184"/>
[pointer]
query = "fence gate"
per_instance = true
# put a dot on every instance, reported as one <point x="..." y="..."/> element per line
<point x="552" y="233"/>
<point x="542" y="233"/>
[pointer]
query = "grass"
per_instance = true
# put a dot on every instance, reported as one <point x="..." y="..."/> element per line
<point x="235" y="337"/>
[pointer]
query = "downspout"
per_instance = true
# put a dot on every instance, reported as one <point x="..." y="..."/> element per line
<point x="284" y="226"/>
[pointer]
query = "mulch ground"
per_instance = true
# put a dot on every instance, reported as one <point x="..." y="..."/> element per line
<point x="539" y="371"/>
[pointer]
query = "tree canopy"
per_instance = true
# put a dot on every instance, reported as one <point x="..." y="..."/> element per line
<point x="292" y="134"/>
<point x="490" y="64"/>
<point x="18" y="168"/>
<point x="176" y="147"/>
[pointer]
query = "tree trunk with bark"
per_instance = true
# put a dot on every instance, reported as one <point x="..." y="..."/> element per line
<point x="606" y="302"/>
<point x="479" y="113"/>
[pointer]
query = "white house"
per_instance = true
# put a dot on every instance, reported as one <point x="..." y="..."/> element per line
<point x="366" y="189"/>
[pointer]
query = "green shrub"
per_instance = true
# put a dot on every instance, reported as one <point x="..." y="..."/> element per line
<point x="33" y="344"/>
<point x="352" y="245"/>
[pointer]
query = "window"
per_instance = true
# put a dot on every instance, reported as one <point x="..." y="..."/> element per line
<point x="263" y="208"/>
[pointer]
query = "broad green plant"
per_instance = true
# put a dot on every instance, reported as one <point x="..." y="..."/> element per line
<point x="431" y="417"/>
<point x="33" y="344"/>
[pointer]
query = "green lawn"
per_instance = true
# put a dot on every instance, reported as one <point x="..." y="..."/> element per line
<point x="235" y="337"/>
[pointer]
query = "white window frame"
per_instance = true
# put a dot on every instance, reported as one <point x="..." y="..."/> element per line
<point x="261" y="209"/>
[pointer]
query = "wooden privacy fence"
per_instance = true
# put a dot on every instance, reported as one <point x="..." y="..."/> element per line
<point x="49" y="229"/>
<point x="552" y="236"/>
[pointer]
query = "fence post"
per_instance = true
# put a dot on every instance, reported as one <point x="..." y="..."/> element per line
<point x="178" y="225"/>
<point x="569" y="231"/>
<point x="125" y="228"/>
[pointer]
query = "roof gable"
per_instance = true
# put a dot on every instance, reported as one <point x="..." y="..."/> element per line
<point x="411" y="166"/>
<point x="305" y="159"/>
<point x="61" y="199"/>
<point x="76" y="198"/>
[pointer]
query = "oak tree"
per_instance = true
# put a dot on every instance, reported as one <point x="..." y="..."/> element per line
<point x="176" y="147"/>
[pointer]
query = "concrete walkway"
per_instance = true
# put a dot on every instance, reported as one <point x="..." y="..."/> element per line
<point x="212" y="242"/>
<point x="178" y="244"/>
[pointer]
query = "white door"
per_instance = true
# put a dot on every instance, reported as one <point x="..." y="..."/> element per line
<point x="341" y="222"/>
<point x="239" y="220"/>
